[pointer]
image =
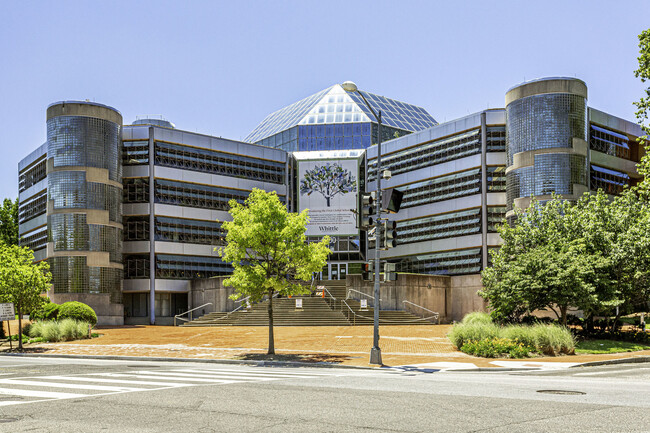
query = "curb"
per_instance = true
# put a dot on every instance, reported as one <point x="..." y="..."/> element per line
<point x="635" y="360"/>
<point x="208" y="361"/>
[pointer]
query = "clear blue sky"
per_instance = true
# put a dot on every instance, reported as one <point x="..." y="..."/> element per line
<point x="219" y="67"/>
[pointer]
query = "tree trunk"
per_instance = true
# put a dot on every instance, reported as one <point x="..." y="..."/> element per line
<point x="20" y="329"/>
<point x="563" y="312"/>
<point x="270" y="310"/>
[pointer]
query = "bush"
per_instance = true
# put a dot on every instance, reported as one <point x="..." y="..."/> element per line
<point x="497" y="348"/>
<point x="66" y="329"/>
<point x="51" y="331"/>
<point x="49" y="311"/>
<point x="477" y="317"/>
<point x="462" y="332"/>
<point x="486" y="337"/>
<point x="77" y="311"/>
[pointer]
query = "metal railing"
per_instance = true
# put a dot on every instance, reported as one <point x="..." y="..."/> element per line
<point x="435" y="316"/>
<point x="189" y="317"/>
<point x="361" y="293"/>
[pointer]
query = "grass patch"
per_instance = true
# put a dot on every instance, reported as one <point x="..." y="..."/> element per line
<point x="608" y="346"/>
<point x="66" y="329"/>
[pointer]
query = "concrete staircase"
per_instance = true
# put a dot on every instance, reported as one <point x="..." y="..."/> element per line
<point x="316" y="311"/>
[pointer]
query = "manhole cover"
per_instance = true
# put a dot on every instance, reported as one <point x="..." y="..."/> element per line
<point x="560" y="392"/>
<point x="8" y="420"/>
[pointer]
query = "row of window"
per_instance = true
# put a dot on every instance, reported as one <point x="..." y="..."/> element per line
<point x="35" y="241"/>
<point x="442" y="188"/>
<point x="135" y="152"/>
<point x="167" y="229"/>
<point x="439" y="151"/>
<point x="609" y="142"/>
<point x="208" y="161"/>
<point x="32" y="175"/>
<point x="444" y="263"/>
<point x="610" y="181"/>
<point x="32" y="208"/>
<point x="70" y="190"/>
<point x="169" y="266"/>
<point x="71" y="232"/>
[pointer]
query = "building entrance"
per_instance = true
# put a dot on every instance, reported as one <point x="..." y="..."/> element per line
<point x="338" y="271"/>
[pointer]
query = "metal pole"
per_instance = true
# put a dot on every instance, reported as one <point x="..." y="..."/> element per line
<point x="375" y="352"/>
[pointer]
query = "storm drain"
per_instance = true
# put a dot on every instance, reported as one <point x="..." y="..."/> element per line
<point x="560" y="392"/>
<point x="8" y="420"/>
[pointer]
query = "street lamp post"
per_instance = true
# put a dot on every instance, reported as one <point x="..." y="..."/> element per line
<point x="375" y="352"/>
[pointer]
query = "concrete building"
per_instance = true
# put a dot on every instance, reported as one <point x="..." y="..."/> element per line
<point x="129" y="215"/>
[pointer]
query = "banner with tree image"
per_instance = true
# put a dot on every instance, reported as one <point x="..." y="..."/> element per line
<point x="328" y="188"/>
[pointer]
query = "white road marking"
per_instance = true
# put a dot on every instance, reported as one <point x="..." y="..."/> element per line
<point x="98" y="384"/>
<point x="595" y="373"/>
<point x="42" y="394"/>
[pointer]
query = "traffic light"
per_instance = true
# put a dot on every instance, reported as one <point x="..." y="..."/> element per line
<point x="366" y="210"/>
<point x="390" y="234"/>
<point x="389" y="272"/>
<point x="391" y="200"/>
<point x="367" y="273"/>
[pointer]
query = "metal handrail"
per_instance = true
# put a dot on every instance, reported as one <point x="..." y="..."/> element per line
<point x="435" y="314"/>
<point x="178" y="316"/>
<point x="361" y="293"/>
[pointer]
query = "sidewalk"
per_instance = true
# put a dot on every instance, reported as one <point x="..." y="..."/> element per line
<point x="343" y="345"/>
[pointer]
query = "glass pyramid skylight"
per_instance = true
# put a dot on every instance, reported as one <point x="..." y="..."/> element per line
<point x="335" y="105"/>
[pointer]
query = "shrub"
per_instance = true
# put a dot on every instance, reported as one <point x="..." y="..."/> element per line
<point x="51" y="331"/>
<point x="553" y="340"/>
<point x="496" y="348"/>
<point x="66" y="329"/>
<point x="49" y="311"/>
<point x="77" y="311"/>
<point x="462" y="332"/>
<point x="477" y="317"/>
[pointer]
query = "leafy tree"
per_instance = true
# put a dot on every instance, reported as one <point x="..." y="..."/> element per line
<point x="22" y="281"/>
<point x="9" y="222"/>
<point x="540" y="265"/>
<point x="328" y="180"/>
<point x="268" y="251"/>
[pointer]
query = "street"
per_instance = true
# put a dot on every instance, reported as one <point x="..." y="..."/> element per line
<point x="77" y="395"/>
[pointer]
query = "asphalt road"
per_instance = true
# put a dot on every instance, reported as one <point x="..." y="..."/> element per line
<point x="53" y="395"/>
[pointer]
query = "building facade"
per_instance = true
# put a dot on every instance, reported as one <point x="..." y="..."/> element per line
<point x="129" y="215"/>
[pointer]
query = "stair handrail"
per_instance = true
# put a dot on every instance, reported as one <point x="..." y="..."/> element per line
<point x="178" y="316"/>
<point x="275" y="295"/>
<point x="347" y="296"/>
<point x="434" y="314"/>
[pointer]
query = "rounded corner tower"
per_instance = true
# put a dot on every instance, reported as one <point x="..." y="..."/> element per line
<point x="546" y="141"/>
<point x="84" y="204"/>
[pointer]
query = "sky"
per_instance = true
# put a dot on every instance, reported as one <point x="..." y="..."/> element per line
<point x="220" y="67"/>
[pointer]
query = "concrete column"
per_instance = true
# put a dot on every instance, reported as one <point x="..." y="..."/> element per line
<point x="152" y="232"/>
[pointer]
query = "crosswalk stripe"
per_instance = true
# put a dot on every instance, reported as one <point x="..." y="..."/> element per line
<point x="240" y="371"/>
<point x="190" y="376"/>
<point x="100" y="380"/>
<point x="185" y="379"/>
<point x="237" y="373"/>
<point x="42" y="394"/>
<point x="67" y="385"/>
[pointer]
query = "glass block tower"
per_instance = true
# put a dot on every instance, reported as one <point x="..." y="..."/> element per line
<point x="333" y="119"/>
<point x="84" y="198"/>
<point x="546" y="141"/>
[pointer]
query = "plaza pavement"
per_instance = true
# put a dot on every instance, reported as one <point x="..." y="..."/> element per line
<point x="419" y="346"/>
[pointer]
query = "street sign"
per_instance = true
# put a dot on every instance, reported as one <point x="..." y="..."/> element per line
<point x="298" y="303"/>
<point x="364" y="304"/>
<point x="7" y="312"/>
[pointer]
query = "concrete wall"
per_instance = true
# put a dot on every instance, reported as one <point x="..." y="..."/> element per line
<point x="211" y="290"/>
<point x="107" y="313"/>
<point x="451" y="297"/>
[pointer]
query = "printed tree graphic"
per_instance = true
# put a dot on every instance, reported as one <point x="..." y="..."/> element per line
<point x="329" y="180"/>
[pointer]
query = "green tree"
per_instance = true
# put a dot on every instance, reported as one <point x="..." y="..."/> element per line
<point x="541" y="264"/>
<point x="9" y="222"/>
<point x="268" y="251"/>
<point x="22" y="281"/>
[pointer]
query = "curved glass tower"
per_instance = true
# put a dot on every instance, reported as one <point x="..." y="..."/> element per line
<point x="84" y="203"/>
<point x="546" y="141"/>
